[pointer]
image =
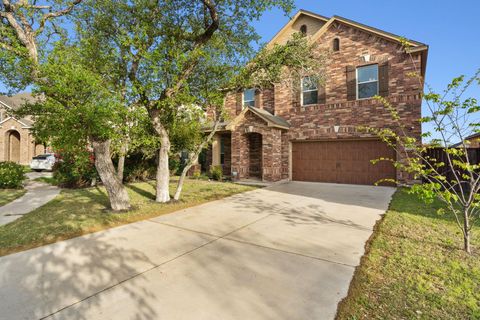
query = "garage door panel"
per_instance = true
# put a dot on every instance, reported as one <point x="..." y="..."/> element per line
<point x="342" y="161"/>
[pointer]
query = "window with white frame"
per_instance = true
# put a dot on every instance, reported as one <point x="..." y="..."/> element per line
<point x="309" y="91"/>
<point x="367" y="81"/>
<point x="249" y="97"/>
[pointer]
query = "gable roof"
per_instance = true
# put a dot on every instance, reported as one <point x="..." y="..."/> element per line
<point x="15" y="103"/>
<point x="292" y="21"/>
<point x="329" y="21"/>
<point x="270" y="119"/>
<point x="415" y="46"/>
<point x="24" y="122"/>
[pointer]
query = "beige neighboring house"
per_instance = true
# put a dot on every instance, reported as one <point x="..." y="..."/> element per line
<point x="17" y="143"/>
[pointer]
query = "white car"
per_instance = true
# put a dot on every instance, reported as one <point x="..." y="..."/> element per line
<point x="43" y="162"/>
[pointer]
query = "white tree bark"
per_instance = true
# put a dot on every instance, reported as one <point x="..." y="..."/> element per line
<point x="192" y="159"/>
<point x="163" y="172"/>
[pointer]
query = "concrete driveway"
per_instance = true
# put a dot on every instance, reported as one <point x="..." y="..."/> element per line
<point x="284" y="252"/>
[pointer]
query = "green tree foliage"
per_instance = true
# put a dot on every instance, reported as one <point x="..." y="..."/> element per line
<point x="77" y="105"/>
<point x="455" y="178"/>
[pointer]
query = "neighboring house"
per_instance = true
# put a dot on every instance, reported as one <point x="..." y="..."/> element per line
<point x="16" y="141"/>
<point x="472" y="141"/>
<point x="312" y="133"/>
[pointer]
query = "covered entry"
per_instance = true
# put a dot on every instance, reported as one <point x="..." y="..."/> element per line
<point x="12" y="149"/>
<point x="255" y="155"/>
<point x="342" y="161"/>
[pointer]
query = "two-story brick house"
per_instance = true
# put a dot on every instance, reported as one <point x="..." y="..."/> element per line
<point x="312" y="133"/>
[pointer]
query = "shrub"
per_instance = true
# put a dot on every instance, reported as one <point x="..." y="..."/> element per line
<point x="196" y="175"/>
<point x="75" y="169"/>
<point x="216" y="172"/>
<point x="139" y="168"/>
<point x="11" y="175"/>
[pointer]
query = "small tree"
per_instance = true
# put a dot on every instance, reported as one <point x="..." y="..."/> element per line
<point x="451" y="118"/>
<point x="278" y="64"/>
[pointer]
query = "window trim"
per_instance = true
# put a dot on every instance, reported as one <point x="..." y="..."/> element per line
<point x="302" y="91"/>
<point x="243" y="98"/>
<point x="357" y="82"/>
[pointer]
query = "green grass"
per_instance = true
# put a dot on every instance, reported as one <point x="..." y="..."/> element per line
<point x="76" y="212"/>
<point x="415" y="268"/>
<point x="8" y="195"/>
<point x="49" y="180"/>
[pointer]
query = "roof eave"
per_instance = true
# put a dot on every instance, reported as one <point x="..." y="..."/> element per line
<point x="380" y="32"/>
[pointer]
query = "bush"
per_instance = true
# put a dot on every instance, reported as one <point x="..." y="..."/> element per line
<point x="196" y="175"/>
<point x="75" y="169"/>
<point x="138" y="168"/>
<point x="173" y="165"/>
<point x="11" y="175"/>
<point x="216" y="172"/>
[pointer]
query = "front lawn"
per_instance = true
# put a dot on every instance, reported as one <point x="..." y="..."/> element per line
<point x="415" y="269"/>
<point x="76" y="212"/>
<point x="8" y="195"/>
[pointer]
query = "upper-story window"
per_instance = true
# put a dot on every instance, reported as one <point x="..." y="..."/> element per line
<point x="336" y="44"/>
<point x="249" y="97"/>
<point x="303" y="29"/>
<point x="309" y="91"/>
<point x="367" y="81"/>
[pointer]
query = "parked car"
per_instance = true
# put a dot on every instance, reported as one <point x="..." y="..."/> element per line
<point x="43" y="162"/>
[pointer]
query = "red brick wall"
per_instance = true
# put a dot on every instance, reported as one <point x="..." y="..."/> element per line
<point x="317" y="121"/>
<point x="271" y="148"/>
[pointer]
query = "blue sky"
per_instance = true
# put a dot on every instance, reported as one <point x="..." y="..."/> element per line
<point x="450" y="28"/>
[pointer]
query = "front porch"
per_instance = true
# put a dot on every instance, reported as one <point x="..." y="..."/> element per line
<point x="252" y="147"/>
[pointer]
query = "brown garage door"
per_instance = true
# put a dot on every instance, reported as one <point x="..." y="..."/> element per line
<point x="342" y="161"/>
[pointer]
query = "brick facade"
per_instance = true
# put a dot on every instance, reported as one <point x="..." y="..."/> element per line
<point x="244" y="149"/>
<point x="17" y="143"/>
<point x="338" y="117"/>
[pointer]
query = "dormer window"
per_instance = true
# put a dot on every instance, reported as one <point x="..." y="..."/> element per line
<point x="249" y="97"/>
<point x="336" y="44"/>
<point x="303" y="29"/>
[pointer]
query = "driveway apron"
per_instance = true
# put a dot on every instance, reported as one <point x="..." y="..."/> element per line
<point x="283" y="252"/>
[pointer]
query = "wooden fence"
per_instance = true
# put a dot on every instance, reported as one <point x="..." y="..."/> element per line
<point x="440" y="155"/>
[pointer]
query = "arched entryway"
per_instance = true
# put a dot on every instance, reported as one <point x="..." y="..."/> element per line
<point x="12" y="149"/>
<point x="255" y="155"/>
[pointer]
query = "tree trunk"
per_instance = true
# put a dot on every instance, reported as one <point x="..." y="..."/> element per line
<point x="121" y="162"/>
<point x="466" y="232"/>
<point x="163" y="172"/>
<point x="117" y="194"/>
<point x="193" y="159"/>
<point x="178" y="191"/>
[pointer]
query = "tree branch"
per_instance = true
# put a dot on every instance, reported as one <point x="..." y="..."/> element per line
<point x="55" y="14"/>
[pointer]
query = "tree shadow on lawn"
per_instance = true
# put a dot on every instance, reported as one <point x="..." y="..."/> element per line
<point x="142" y="192"/>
